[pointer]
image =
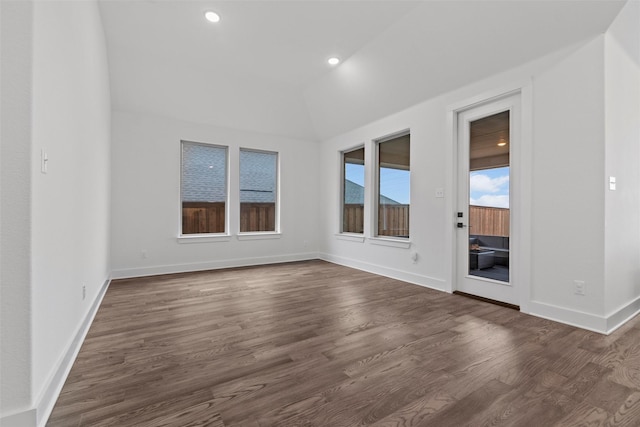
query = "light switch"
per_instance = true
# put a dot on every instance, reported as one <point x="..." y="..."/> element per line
<point x="612" y="183"/>
<point x="44" y="159"/>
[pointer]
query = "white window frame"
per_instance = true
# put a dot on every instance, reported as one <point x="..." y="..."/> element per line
<point x="341" y="232"/>
<point x="260" y="235"/>
<point x="395" y="241"/>
<point x="204" y="237"/>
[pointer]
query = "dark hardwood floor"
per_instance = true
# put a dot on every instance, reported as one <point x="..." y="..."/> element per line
<point x="316" y="344"/>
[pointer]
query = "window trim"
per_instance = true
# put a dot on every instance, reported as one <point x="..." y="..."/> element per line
<point x="204" y="237"/>
<point x="375" y="236"/>
<point x="259" y="235"/>
<point x="392" y="242"/>
<point x="350" y="237"/>
<point x="341" y="192"/>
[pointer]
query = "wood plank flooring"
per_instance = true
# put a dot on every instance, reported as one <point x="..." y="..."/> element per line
<point x="316" y="344"/>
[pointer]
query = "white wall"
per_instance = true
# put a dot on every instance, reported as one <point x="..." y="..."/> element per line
<point x="427" y="217"/>
<point x="69" y="214"/>
<point x="568" y="199"/>
<point x="622" y="133"/>
<point x="15" y="215"/>
<point x="146" y="198"/>
<point x="71" y="121"/>
<point x="566" y="195"/>
<point x="218" y="97"/>
<point x="430" y="219"/>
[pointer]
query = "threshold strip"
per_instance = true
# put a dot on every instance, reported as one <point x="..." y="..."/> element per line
<point x="490" y="301"/>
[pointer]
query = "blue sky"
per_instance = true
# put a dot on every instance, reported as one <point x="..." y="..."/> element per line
<point x="354" y="173"/>
<point x="489" y="187"/>
<point x="394" y="183"/>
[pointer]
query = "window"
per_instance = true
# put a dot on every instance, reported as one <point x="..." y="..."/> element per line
<point x="258" y="190"/>
<point x="353" y="191"/>
<point x="393" y="174"/>
<point x="203" y="188"/>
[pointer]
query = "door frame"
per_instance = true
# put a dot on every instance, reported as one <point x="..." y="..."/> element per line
<point x="521" y="182"/>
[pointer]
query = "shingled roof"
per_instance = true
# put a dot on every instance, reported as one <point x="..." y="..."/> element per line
<point x="203" y="173"/>
<point x="354" y="195"/>
<point x="204" y="177"/>
<point x="257" y="170"/>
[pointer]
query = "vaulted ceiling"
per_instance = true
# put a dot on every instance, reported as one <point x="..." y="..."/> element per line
<point x="263" y="67"/>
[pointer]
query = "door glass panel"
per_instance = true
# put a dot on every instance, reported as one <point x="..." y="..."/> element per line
<point x="489" y="213"/>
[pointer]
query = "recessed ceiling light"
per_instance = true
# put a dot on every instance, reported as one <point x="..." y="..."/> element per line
<point x="333" y="61"/>
<point x="212" y="16"/>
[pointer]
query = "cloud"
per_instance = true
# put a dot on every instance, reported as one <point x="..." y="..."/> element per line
<point x="491" y="200"/>
<point x="485" y="184"/>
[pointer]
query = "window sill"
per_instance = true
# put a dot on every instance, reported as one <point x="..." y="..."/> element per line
<point x="350" y="237"/>
<point x="393" y="243"/>
<point x="259" y="236"/>
<point x="204" y="238"/>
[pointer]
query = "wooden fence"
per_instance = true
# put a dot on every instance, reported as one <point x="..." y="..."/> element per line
<point x="393" y="220"/>
<point x="257" y="217"/>
<point x="203" y="217"/>
<point x="486" y="221"/>
<point x="353" y="219"/>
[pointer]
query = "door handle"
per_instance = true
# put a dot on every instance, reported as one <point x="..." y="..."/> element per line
<point x="461" y="225"/>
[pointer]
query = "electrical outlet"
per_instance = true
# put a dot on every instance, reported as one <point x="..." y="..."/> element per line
<point x="84" y="292"/>
<point x="579" y="287"/>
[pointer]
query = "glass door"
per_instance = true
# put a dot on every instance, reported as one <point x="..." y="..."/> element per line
<point x="483" y="219"/>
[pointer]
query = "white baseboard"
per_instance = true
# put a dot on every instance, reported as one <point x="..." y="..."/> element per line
<point x="49" y="396"/>
<point x="592" y="322"/>
<point x="622" y="315"/>
<point x="416" y="279"/>
<point x="579" y="319"/>
<point x="26" y="418"/>
<point x="210" y="265"/>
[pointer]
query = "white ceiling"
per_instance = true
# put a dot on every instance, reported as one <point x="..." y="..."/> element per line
<point x="263" y="67"/>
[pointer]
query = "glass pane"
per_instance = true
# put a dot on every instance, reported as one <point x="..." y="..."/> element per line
<point x="489" y="193"/>
<point x="258" y="186"/>
<point x="203" y="188"/>
<point x="353" y="190"/>
<point x="394" y="185"/>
